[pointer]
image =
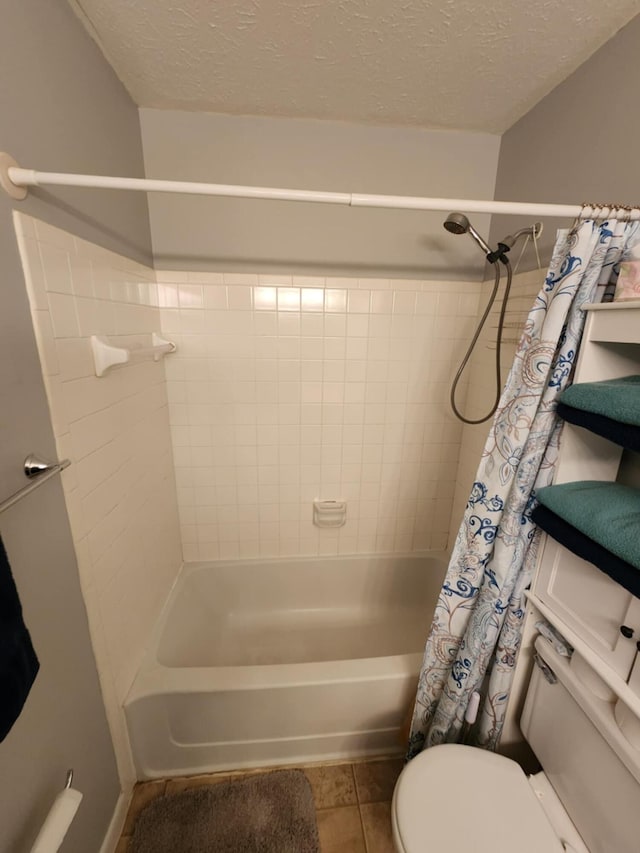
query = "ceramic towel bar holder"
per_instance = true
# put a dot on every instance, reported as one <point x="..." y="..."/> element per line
<point x="107" y="355"/>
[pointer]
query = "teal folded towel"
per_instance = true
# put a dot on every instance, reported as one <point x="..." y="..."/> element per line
<point x="608" y="513"/>
<point x="618" y="399"/>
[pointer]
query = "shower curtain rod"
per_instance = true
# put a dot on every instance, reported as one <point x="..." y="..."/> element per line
<point x="15" y="181"/>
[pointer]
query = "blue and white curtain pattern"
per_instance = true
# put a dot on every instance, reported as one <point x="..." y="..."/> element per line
<point x="478" y="620"/>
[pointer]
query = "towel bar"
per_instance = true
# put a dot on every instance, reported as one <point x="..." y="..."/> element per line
<point x="106" y="355"/>
<point x="39" y="471"/>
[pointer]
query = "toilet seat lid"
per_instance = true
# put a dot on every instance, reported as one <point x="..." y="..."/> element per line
<point x="458" y="798"/>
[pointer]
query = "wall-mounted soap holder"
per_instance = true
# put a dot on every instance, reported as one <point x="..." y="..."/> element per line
<point x="329" y="513"/>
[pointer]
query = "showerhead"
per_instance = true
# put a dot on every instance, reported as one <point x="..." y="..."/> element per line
<point x="457" y="223"/>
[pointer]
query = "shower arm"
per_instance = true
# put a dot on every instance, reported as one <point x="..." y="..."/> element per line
<point x="507" y="243"/>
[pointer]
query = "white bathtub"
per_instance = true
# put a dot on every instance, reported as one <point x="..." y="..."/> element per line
<point x="281" y="661"/>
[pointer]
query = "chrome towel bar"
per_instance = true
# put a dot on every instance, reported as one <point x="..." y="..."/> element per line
<point x="38" y="470"/>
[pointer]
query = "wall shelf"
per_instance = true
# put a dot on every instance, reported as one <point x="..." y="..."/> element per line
<point x="584" y="604"/>
<point x="612" y="679"/>
<point x="613" y="322"/>
<point x="106" y="355"/>
<point x="596" y="614"/>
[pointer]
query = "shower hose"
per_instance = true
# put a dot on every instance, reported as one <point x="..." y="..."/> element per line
<point x="474" y="340"/>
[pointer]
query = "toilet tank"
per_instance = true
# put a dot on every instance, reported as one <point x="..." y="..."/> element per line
<point x="592" y="767"/>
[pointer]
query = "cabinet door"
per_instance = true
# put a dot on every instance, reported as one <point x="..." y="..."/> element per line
<point x="589" y="602"/>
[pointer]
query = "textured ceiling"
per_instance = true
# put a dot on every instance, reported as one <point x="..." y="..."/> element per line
<point x="467" y="64"/>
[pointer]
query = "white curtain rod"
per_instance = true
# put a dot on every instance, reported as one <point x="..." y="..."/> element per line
<point x="15" y="181"/>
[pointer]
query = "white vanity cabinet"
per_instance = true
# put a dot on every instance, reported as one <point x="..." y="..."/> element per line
<point x="577" y="595"/>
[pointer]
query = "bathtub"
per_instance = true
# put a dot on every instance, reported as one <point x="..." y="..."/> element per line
<point x="281" y="661"/>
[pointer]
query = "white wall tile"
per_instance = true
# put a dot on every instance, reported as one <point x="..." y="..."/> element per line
<point x="120" y="489"/>
<point x="305" y="387"/>
<point x="34" y="274"/>
<point x="56" y="268"/>
<point x="64" y="319"/>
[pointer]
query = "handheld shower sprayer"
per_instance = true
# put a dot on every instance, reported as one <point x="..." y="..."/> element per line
<point x="458" y="223"/>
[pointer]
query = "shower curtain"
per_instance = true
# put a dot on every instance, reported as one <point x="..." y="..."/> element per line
<point x="478" y="620"/>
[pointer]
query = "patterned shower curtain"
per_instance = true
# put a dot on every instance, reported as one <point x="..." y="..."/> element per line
<point x="478" y="620"/>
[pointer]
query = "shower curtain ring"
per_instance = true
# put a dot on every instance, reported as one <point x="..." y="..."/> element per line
<point x="580" y="217"/>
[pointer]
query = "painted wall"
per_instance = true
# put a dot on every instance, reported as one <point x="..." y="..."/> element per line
<point x="579" y="143"/>
<point x="285" y="389"/>
<point x="62" y="108"/>
<point x="576" y="145"/>
<point x="120" y="489"/>
<point x="250" y="235"/>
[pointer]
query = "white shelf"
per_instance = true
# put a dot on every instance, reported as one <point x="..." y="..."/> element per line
<point x="613" y="322"/>
<point x="582" y="603"/>
<point x="624" y="305"/>
<point x="613" y="681"/>
<point x="106" y="355"/>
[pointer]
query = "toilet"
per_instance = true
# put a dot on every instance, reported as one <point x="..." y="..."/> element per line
<point x="454" y="798"/>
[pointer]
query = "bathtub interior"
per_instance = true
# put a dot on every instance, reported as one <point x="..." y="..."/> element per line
<point x="260" y="663"/>
<point x="299" y="611"/>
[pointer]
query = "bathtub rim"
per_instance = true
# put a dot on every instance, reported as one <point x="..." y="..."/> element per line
<point x="158" y="679"/>
<point x="190" y="567"/>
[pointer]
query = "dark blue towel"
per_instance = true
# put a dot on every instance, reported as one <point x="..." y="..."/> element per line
<point x="626" y="435"/>
<point x="18" y="662"/>
<point x="566" y="534"/>
<point x="610" y="408"/>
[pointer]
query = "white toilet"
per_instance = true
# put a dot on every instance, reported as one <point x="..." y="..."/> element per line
<point x="454" y="798"/>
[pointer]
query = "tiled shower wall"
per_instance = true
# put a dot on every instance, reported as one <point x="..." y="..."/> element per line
<point x="286" y="389"/>
<point x="282" y="390"/>
<point x="119" y="490"/>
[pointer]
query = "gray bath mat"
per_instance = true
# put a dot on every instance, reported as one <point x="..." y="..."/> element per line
<point x="267" y="813"/>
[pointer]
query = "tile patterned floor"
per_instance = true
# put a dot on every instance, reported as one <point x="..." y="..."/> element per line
<point x="353" y="802"/>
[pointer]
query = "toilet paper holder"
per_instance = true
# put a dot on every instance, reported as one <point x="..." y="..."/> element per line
<point x="58" y="819"/>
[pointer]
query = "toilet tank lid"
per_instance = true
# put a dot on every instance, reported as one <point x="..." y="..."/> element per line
<point x="458" y="798"/>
